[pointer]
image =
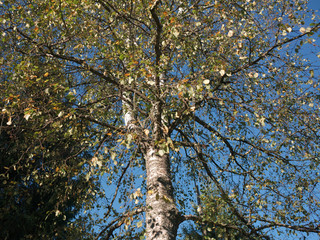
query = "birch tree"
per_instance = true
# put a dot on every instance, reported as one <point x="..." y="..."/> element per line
<point x="182" y="94"/>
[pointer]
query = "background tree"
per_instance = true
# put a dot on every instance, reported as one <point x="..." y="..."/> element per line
<point x="42" y="186"/>
<point x="217" y="90"/>
<point x="215" y="220"/>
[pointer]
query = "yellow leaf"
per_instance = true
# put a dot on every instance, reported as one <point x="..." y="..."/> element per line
<point x="139" y="224"/>
<point x="146" y="132"/>
<point x="46" y="74"/>
<point x="78" y="46"/>
<point x="166" y="199"/>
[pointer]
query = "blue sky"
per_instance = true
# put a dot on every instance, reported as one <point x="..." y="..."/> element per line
<point x="314" y="4"/>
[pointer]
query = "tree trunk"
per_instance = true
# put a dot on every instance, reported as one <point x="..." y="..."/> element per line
<point x="162" y="218"/>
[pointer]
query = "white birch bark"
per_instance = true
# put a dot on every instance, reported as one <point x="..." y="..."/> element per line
<point x="162" y="219"/>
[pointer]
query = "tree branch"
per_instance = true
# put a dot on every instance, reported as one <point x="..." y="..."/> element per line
<point x="116" y="223"/>
<point x="279" y="44"/>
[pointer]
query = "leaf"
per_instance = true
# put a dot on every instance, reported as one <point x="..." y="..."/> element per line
<point x="57" y="213"/>
<point x="206" y="81"/>
<point x="78" y="46"/>
<point x="175" y="32"/>
<point x="302" y="30"/>
<point x="230" y="33"/>
<point x="9" y="122"/>
<point x="311" y="73"/>
<point x="146" y="132"/>
<point x="60" y="114"/>
<point x="27" y="116"/>
<point x="166" y="199"/>
<point x="113" y="155"/>
<point x="161" y="152"/>
<point x="139" y="224"/>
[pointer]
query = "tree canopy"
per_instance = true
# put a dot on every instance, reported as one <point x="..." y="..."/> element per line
<point x="158" y="98"/>
<point x="42" y="184"/>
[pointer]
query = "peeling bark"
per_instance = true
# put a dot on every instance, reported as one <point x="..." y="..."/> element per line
<point x="162" y="217"/>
